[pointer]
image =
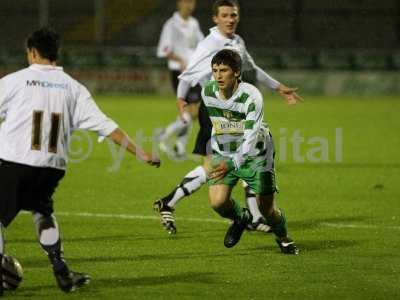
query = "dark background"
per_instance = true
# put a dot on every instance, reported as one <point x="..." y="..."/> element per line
<point x="290" y="34"/>
<point x="314" y="24"/>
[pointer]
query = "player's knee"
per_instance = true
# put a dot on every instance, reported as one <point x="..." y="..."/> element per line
<point x="217" y="201"/>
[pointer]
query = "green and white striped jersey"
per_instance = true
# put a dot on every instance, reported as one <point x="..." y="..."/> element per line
<point x="238" y="130"/>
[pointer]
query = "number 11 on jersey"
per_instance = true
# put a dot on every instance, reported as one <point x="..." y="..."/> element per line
<point x="37" y="129"/>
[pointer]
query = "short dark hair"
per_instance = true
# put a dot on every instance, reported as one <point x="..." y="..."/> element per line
<point x="46" y="41"/>
<point x="217" y="4"/>
<point x="228" y="57"/>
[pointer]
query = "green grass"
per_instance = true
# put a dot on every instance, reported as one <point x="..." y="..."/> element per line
<point x="345" y="216"/>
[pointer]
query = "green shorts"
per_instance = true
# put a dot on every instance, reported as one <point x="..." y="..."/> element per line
<point x="257" y="172"/>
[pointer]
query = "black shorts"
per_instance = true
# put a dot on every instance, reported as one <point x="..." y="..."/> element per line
<point x="203" y="144"/>
<point x="24" y="187"/>
<point x="194" y="94"/>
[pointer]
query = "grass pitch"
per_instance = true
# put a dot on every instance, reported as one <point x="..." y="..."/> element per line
<point x="338" y="170"/>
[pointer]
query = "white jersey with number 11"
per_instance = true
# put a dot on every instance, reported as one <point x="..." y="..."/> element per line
<point x="41" y="106"/>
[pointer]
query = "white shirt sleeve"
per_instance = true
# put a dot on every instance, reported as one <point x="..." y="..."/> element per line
<point x="3" y="99"/>
<point x="261" y="76"/>
<point x="199" y="68"/>
<point x="264" y="78"/>
<point x="88" y="116"/>
<point x="253" y="122"/>
<point x="183" y="89"/>
<point x="165" y="44"/>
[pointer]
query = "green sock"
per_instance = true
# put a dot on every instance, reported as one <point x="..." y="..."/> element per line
<point x="278" y="224"/>
<point x="227" y="212"/>
<point x="238" y="211"/>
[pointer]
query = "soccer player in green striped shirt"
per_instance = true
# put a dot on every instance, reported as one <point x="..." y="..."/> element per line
<point x="242" y="149"/>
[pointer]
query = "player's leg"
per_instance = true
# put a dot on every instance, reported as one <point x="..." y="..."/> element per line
<point x="11" y="180"/>
<point x="192" y="180"/>
<point x="48" y="230"/>
<point x="266" y="160"/>
<point x="181" y="128"/>
<point x="194" y="100"/>
<point x="183" y="136"/>
<point x="277" y="221"/>
<point x="258" y="223"/>
<point x="222" y="203"/>
<point x="190" y="183"/>
<point x="50" y="241"/>
<point x="177" y="127"/>
<point x="173" y="129"/>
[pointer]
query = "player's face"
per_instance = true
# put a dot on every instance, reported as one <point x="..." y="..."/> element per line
<point x="227" y="20"/>
<point x="225" y="76"/>
<point x="186" y="7"/>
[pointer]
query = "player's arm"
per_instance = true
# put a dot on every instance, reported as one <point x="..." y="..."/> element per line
<point x="178" y="59"/>
<point x="3" y="100"/>
<point x="196" y="71"/>
<point x="88" y="116"/>
<point x="165" y="48"/>
<point x="121" y="138"/>
<point x="182" y="91"/>
<point x="288" y="93"/>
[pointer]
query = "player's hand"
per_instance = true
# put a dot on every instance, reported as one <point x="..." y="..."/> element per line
<point x="155" y="161"/>
<point x="289" y="94"/>
<point x="151" y="160"/>
<point x="219" y="172"/>
<point x="181" y="104"/>
<point x="183" y="66"/>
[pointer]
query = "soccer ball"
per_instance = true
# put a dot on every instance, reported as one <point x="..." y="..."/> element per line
<point x="11" y="272"/>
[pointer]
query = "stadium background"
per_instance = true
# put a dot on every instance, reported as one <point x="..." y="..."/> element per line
<point x="330" y="47"/>
<point x="344" y="213"/>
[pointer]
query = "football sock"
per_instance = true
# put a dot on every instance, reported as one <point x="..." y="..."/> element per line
<point x="230" y="210"/>
<point x="252" y="204"/>
<point x="190" y="183"/>
<point x="177" y="126"/>
<point x="49" y="239"/>
<point x="182" y="139"/>
<point x="277" y="222"/>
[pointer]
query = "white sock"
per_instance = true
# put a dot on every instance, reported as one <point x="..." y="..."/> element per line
<point x="177" y="126"/>
<point x="252" y="202"/>
<point x="47" y="229"/>
<point x="253" y="207"/>
<point x="182" y="139"/>
<point x="190" y="183"/>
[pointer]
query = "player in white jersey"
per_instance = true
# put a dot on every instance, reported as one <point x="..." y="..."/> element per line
<point x="242" y="149"/>
<point x="226" y="17"/>
<point x="41" y="106"/>
<point x="179" y="37"/>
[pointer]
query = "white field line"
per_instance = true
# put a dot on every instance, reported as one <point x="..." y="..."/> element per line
<point x="207" y="220"/>
<point x="362" y="226"/>
<point x="134" y="217"/>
